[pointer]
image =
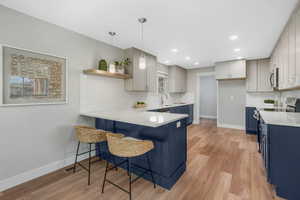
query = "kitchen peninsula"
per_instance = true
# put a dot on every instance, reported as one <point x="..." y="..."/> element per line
<point x="168" y="131"/>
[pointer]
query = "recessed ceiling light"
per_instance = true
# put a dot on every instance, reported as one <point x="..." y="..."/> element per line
<point x="239" y="58"/>
<point x="196" y="63"/>
<point x="233" y="37"/>
<point x="167" y="62"/>
<point x="237" y="50"/>
<point x="174" y="50"/>
<point x="188" y="58"/>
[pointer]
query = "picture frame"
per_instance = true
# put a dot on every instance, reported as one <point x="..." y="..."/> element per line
<point x="31" y="78"/>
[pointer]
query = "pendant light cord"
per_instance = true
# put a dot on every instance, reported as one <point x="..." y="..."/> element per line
<point x="142" y="34"/>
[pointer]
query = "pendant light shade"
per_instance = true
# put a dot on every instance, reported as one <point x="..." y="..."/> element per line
<point x="142" y="62"/>
<point x="142" y="59"/>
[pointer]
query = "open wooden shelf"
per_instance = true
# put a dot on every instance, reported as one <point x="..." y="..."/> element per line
<point x="97" y="72"/>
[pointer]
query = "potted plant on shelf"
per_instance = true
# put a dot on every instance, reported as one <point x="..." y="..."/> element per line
<point x="102" y="65"/>
<point x="120" y="65"/>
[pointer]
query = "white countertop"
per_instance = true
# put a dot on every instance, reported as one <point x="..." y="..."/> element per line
<point x="281" y="118"/>
<point x="136" y="116"/>
<point x="168" y="106"/>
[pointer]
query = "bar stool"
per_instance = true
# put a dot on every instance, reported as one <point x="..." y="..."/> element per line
<point x="89" y="135"/>
<point x="128" y="147"/>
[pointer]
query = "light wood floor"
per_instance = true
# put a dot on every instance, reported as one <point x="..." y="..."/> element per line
<point x="223" y="164"/>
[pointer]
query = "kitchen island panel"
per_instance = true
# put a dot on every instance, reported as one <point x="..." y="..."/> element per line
<point x="168" y="158"/>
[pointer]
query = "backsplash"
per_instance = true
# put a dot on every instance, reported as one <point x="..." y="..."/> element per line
<point x="257" y="99"/>
<point x="101" y="93"/>
<point x="154" y="99"/>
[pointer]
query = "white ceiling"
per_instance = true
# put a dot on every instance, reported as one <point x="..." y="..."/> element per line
<point x="197" y="28"/>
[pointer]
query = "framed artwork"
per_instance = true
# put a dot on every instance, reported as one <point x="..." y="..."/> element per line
<point x="31" y="78"/>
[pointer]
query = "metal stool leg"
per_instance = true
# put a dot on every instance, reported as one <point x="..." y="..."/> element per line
<point x="104" y="180"/>
<point x="128" y="166"/>
<point x="90" y="156"/>
<point x="129" y="170"/>
<point x="149" y="165"/>
<point x="74" y="167"/>
<point x="114" y="161"/>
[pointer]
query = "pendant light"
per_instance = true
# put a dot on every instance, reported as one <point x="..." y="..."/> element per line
<point x="142" y="59"/>
<point x="112" y="66"/>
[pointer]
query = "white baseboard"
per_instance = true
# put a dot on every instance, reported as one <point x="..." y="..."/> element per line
<point x="195" y="121"/>
<point x="231" y="126"/>
<point x="208" y="117"/>
<point x="35" y="173"/>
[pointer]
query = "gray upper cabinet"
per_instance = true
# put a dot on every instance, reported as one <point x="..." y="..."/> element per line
<point x="291" y="75"/>
<point x="161" y="68"/>
<point x="258" y="76"/>
<point x="286" y="55"/>
<point x="142" y="79"/>
<point x="231" y="70"/>
<point x="251" y="70"/>
<point x="264" y="74"/>
<point x="151" y="63"/>
<point x="177" y="79"/>
<point x="297" y="51"/>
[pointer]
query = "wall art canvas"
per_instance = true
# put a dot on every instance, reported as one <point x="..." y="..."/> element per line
<point x="32" y="78"/>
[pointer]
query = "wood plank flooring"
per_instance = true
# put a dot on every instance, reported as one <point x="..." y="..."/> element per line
<point x="223" y="164"/>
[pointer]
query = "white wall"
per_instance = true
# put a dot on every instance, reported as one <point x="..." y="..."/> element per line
<point x="208" y="97"/>
<point x="231" y="103"/>
<point x="38" y="136"/>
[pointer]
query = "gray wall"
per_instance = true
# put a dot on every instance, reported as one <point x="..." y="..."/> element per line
<point x="192" y="89"/>
<point x="231" y="103"/>
<point x="208" y="97"/>
<point x="34" y="136"/>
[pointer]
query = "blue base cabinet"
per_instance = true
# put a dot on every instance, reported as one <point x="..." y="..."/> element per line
<point x="185" y="109"/>
<point x="251" y="122"/>
<point x="281" y="155"/>
<point x="168" y="158"/>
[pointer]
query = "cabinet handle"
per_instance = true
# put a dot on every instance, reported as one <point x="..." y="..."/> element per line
<point x="272" y="79"/>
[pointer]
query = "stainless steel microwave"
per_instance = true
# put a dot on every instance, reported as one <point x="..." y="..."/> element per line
<point x="274" y="78"/>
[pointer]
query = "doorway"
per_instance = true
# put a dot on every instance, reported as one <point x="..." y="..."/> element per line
<point x="207" y="98"/>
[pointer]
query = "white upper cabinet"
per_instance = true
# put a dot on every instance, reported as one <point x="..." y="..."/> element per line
<point x="142" y="79"/>
<point x="177" y="79"/>
<point x="231" y="70"/>
<point x="258" y="76"/>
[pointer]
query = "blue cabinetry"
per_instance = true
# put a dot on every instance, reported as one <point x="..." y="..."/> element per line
<point x="251" y="122"/>
<point x="281" y="155"/>
<point x="168" y="158"/>
<point x="185" y="109"/>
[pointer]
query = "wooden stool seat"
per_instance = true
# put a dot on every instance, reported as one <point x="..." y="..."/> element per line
<point x="87" y="134"/>
<point x="127" y="146"/>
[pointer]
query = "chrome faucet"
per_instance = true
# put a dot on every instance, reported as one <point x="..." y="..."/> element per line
<point x="164" y="97"/>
